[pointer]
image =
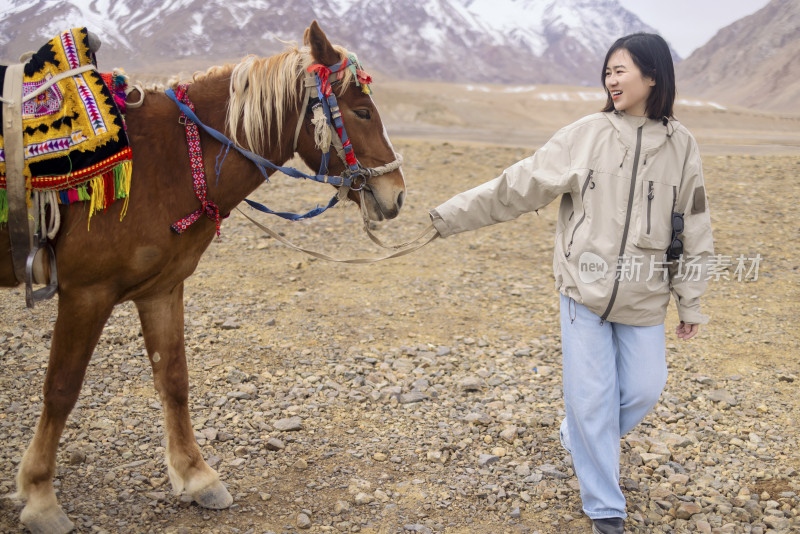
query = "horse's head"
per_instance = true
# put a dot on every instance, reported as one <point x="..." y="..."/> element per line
<point x="384" y="190"/>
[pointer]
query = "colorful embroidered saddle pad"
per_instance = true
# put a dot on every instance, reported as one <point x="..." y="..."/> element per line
<point x="73" y="133"/>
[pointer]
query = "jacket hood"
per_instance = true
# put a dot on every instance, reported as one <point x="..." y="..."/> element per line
<point x="654" y="134"/>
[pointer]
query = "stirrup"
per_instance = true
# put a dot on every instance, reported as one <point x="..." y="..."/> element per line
<point x="32" y="297"/>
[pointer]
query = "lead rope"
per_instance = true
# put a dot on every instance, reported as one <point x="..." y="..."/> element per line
<point x="349" y="260"/>
<point x="375" y="239"/>
<point x="49" y="222"/>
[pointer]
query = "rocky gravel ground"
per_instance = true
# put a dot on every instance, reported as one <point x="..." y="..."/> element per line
<point x="423" y="394"/>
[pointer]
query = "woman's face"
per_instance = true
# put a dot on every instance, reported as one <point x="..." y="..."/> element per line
<point x="628" y="87"/>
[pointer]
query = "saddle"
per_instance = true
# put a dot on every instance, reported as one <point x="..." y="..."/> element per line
<point x="63" y="141"/>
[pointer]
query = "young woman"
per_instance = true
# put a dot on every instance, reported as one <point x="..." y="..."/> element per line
<point x="633" y="226"/>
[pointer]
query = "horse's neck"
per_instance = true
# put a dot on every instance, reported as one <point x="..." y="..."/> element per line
<point x="239" y="177"/>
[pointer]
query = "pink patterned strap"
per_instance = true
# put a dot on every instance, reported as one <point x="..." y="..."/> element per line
<point x="198" y="170"/>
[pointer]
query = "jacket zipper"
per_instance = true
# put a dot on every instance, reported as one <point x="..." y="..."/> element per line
<point x="650" y="195"/>
<point x="627" y="222"/>
<point x="583" y="192"/>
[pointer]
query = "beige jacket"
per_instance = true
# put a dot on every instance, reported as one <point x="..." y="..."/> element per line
<point x="619" y="177"/>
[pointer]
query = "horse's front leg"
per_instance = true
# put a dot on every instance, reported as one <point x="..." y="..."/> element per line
<point x="162" y="326"/>
<point x="81" y="317"/>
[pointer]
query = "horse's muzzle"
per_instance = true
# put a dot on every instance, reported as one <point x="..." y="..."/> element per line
<point x="378" y="210"/>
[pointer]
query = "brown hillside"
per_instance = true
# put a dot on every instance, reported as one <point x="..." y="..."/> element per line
<point x="754" y="62"/>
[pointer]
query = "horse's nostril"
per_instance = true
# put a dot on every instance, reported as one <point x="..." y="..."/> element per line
<point x="400" y="198"/>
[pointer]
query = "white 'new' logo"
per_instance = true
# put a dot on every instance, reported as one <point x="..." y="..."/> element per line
<point x="591" y="267"/>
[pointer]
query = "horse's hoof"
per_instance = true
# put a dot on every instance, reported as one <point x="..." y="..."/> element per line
<point x="52" y="520"/>
<point x="214" y="496"/>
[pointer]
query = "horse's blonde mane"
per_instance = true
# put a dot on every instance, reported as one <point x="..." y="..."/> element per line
<point x="263" y="89"/>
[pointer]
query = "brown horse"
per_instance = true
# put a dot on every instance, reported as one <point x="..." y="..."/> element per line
<point x="141" y="259"/>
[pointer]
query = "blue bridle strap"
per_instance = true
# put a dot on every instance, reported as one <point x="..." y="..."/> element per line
<point x="259" y="161"/>
<point x="293" y="216"/>
<point x="262" y="164"/>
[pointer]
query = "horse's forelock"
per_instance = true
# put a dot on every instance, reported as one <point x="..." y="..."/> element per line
<point x="263" y="89"/>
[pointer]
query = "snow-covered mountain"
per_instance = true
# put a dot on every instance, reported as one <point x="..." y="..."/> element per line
<point x="519" y="41"/>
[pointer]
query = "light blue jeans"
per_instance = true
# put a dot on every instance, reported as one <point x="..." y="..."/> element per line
<point x="613" y="376"/>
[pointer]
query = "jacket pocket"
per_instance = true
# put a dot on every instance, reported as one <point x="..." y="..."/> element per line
<point x="588" y="183"/>
<point x="655" y="218"/>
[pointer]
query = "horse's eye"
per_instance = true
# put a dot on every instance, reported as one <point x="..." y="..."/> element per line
<point x="362" y="113"/>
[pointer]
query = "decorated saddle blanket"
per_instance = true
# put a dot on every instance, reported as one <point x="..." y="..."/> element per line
<point x="74" y="135"/>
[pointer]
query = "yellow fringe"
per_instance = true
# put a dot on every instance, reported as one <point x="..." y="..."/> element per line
<point x="97" y="202"/>
<point x="127" y="169"/>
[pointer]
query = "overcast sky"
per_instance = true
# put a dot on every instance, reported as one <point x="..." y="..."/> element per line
<point x="689" y="24"/>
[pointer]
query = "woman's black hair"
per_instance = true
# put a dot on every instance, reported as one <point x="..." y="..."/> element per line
<point x="650" y="53"/>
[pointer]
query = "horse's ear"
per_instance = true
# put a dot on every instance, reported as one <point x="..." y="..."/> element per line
<point x="321" y="49"/>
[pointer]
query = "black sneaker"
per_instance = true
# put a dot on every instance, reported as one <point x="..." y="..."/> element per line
<point x="608" y="525"/>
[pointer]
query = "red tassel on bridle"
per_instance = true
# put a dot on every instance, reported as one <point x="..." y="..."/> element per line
<point x="324" y="73"/>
